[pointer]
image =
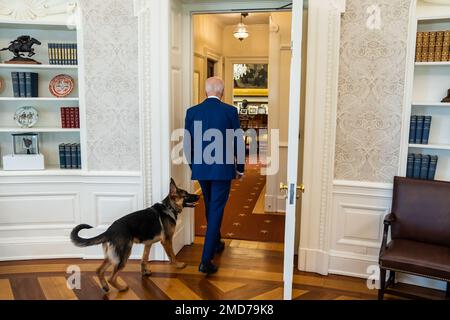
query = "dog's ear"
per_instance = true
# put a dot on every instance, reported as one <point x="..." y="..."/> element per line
<point x="173" y="187"/>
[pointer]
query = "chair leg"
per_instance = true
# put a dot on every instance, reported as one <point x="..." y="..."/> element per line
<point x="382" y="284"/>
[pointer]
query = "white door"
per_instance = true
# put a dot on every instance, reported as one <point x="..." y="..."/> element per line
<point x="293" y="146"/>
<point x="179" y="172"/>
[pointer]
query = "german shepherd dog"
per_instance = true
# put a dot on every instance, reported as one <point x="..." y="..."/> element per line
<point x="147" y="226"/>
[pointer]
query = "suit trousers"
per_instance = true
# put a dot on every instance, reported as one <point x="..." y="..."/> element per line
<point x="215" y="195"/>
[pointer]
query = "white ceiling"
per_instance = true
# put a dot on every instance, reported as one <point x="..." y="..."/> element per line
<point x="235" y="18"/>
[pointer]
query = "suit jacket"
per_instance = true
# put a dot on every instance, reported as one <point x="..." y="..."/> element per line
<point x="213" y="114"/>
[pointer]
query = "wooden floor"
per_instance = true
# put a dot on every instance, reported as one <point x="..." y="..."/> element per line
<point x="248" y="270"/>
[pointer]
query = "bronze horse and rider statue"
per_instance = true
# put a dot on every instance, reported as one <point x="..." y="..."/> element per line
<point x="20" y="46"/>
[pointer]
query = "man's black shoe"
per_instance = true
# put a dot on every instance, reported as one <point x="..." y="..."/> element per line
<point x="220" y="247"/>
<point x="208" y="268"/>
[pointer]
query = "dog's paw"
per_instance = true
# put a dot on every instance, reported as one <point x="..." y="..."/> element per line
<point x="123" y="289"/>
<point x="105" y="289"/>
<point x="146" y="273"/>
<point x="181" y="265"/>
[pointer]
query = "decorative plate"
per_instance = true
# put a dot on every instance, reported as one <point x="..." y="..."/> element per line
<point x="26" y="117"/>
<point x="61" y="85"/>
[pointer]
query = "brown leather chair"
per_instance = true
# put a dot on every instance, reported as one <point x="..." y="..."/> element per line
<point x="420" y="232"/>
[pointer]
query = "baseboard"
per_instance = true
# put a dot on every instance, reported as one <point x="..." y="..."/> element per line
<point x="357" y="265"/>
<point x="313" y="260"/>
<point x="274" y="203"/>
<point x="38" y="248"/>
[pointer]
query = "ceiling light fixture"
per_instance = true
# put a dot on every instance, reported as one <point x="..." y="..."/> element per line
<point x="240" y="31"/>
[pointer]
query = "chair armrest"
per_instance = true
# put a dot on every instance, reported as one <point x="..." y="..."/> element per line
<point x="388" y="220"/>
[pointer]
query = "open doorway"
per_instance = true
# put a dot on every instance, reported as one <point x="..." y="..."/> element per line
<point x="256" y="70"/>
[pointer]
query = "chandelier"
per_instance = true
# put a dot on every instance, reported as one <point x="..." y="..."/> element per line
<point x="240" y="31"/>
<point x="239" y="70"/>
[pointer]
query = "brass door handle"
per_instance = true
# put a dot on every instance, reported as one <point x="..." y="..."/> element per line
<point x="285" y="187"/>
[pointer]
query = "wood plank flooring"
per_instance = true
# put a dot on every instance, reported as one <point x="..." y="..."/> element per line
<point x="248" y="270"/>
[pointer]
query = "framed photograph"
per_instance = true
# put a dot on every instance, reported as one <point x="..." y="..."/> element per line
<point x="250" y="79"/>
<point x="243" y="111"/>
<point x="26" y="143"/>
<point x="262" y="110"/>
<point x="253" y="110"/>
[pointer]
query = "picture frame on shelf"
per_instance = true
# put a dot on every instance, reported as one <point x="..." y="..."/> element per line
<point x="25" y="143"/>
<point x="253" y="110"/>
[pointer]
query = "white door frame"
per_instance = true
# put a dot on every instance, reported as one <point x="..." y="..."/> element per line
<point x="320" y="118"/>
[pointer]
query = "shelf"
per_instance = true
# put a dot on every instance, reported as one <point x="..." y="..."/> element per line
<point x="49" y="171"/>
<point x="433" y="64"/>
<point x="37" y="66"/>
<point x="430" y="146"/>
<point x="37" y="99"/>
<point x="18" y="130"/>
<point x="430" y="104"/>
<point x="16" y="24"/>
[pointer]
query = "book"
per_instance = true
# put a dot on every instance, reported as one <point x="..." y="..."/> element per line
<point x="68" y="156"/>
<point x="410" y="166"/>
<point x="78" y="156"/>
<point x="31" y="84"/>
<point x="74" y="155"/>
<point x="412" y="129"/>
<point x="417" y="165"/>
<point x="424" y="167"/>
<point x="426" y="129"/>
<point x="431" y="46"/>
<point x="419" y="129"/>
<point x="59" y="53"/>
<point x="50" y="61"/>
<point x="77" y="117"/>
<point x="446" y="46"/>
<point x="15" y="84"/>
<point x="72" y="117"/>
<point x="432" y="167"/>
<point x="438" y="48"/>
<point x="419" y="43"/>
<point x="63" y="117"/>
<point x="72" y="53"/>
<point x="22" y="85"/>
<point x="425" y="45"/>
<point x="62" y="156"/>
<point x="76" y="53"/>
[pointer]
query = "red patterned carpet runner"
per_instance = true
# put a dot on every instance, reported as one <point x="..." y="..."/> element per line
<point x="239" y="222"/>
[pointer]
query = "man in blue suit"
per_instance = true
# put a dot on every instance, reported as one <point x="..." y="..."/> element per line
<point x="215" y="150"/>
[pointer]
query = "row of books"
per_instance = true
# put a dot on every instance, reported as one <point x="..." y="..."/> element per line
<point x="421" y="166"/>
<point x="419" y="129"/>
<point x="25" y="84"/>
<point x="70" y="117"/>
<point x="63" y="53"/>
<point x="433" y="46"/>
<point x="69" y="156"/>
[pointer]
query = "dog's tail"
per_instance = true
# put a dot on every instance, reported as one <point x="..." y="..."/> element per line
<point x="80" y="242"/>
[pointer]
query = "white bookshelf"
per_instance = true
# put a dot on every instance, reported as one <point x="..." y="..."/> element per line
<point x="427" y="84"/>
<point x="37" y="66"/>
<point x="49" y="126"/>
<point x="433" y="64"/>
<point x="430" y="146"/>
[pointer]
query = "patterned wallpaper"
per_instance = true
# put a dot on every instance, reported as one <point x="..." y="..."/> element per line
<point x="371" y="88"/>
<point x="112" y="101"/>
